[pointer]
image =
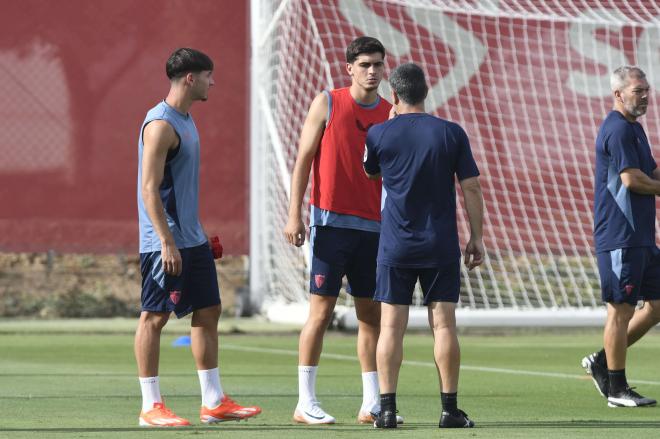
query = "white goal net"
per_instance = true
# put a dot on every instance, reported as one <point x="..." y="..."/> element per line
<point x="529" y="82"/>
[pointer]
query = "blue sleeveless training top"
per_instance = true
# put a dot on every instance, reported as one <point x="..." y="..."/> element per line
<point x="179" y="190"/>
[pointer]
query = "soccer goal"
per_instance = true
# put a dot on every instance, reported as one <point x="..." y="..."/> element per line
<point x="529" y="82"/>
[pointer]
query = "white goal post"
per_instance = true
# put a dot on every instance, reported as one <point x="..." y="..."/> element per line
<point x="529" y="82"/>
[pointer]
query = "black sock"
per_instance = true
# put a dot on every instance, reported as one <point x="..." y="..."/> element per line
<point x="388" y="402"/>
<point x="618" y="382"/>
<point x="449" y="402"/>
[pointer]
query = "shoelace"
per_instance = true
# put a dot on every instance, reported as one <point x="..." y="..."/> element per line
<point x="168" y="412"/>
<point x="164" y="410"/>
<point x="317" y="405"/>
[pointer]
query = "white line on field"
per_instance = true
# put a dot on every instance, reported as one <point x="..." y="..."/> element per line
<point x="342" y="357"/>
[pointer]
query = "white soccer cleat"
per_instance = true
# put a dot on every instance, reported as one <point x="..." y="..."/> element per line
<point x="629" y="398"/>
<point x="312" y="414"/>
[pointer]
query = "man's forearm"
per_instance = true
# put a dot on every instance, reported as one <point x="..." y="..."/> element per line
<point x="299" y="181"/>
<point x="474" y="206"/>
<point x="644" y="185"/>
<point x="156" y="212"/>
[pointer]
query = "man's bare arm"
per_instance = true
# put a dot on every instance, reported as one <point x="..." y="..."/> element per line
<point x="474" y="206"/>
<point x="640" y="183"/>
<point x="310" y="139"/>
<point x="159" y="138"/>
<point x="656" y="173"/>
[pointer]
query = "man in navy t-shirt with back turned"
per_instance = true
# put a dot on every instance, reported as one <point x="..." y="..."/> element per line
<point x="626" y="183"/>
<point x="419" y="156"/>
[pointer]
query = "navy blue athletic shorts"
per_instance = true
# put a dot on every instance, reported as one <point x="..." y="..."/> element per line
<point x="396" y="285"/>
<point x="628" y="275"/>
<point x="195" y="288"/>
<point x="339" y="252"/>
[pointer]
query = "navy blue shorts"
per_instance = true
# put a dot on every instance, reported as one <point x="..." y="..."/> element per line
<point x="339" y="252"/>
<point x="396" y="285"/>
<point x="195" y="288"/>
<point x="628" y="275"/>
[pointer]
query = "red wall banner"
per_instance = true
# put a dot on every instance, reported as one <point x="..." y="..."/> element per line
<point x="77" y="79"/>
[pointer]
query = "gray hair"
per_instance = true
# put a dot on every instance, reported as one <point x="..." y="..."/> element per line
<point x="409" y="83"/>
<point x="619" y="78"/>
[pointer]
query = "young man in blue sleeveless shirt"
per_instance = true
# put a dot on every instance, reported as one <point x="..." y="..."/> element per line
<point x="178" y="271"/>
<point x="627" y="180"/>
<point x="419" y="156"/>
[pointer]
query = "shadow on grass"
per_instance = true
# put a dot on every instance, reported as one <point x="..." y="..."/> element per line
<point x="178" y="395"/>
<point x="339" y="428"/>
<point x="132" y="375"/>
<point x="192" y="429"/>
<point x="633" y="423"/>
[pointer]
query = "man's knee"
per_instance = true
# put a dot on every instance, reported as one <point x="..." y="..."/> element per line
<point x="153" y="321"/>
<point x="444" y="326"/>
<point x="444" y="332"/>
<point x="320" y="318"/>
<point x="620" y="313"/>
<point x="207" y="316"/>
<point x="321" y="311"/>
<point x="367" y="312"/>
<point x="442" y="316"/>
<point x="652" y="308"/>
<point x="210" y="311"/>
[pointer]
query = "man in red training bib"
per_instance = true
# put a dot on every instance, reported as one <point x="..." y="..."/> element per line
<point x="344" y="221"/>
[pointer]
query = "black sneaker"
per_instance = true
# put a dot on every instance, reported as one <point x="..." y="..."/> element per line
<point x="385" y="419"/>
<point x="629" y="398"/>
<point x="460" y="420"/>
<point x="594" y="365"/>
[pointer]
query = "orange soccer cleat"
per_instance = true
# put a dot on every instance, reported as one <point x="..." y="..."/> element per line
<point x="228" y="410"/>
<point x="161" y="416"/>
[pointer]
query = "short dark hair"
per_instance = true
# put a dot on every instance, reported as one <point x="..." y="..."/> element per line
<point x="363" y="45"/>
<point x="409" y="82"/>
<point x="185" y="60"/>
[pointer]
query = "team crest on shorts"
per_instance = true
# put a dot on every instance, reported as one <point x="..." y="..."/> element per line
<point x="319" y="279"/>
<point x="629" y="289"/>
<point x="175" y="296"/>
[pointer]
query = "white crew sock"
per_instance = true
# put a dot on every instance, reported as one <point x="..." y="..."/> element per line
<point x="306" y="384"/>
<point x="370" y="392"/>
<point x="150" y="387"/>
<point x="209" y="381"/>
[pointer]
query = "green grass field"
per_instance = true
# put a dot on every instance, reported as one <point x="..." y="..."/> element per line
<point x="83" y="384"/>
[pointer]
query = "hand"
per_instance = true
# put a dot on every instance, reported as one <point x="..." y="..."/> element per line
<point x="474" y="253"/>
<point x="393" y="112"/>
<point x="294" y="232"/>
<point x="171" y="258"/>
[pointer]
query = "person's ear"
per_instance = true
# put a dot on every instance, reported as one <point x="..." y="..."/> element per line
<point x="395" y="98"/>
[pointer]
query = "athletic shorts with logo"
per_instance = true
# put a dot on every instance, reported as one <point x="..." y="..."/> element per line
<point x="339" y="252"/>
<point x="396" y="285"/>
<point x="628" y="275"/>
<point x="195" y="288"/>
